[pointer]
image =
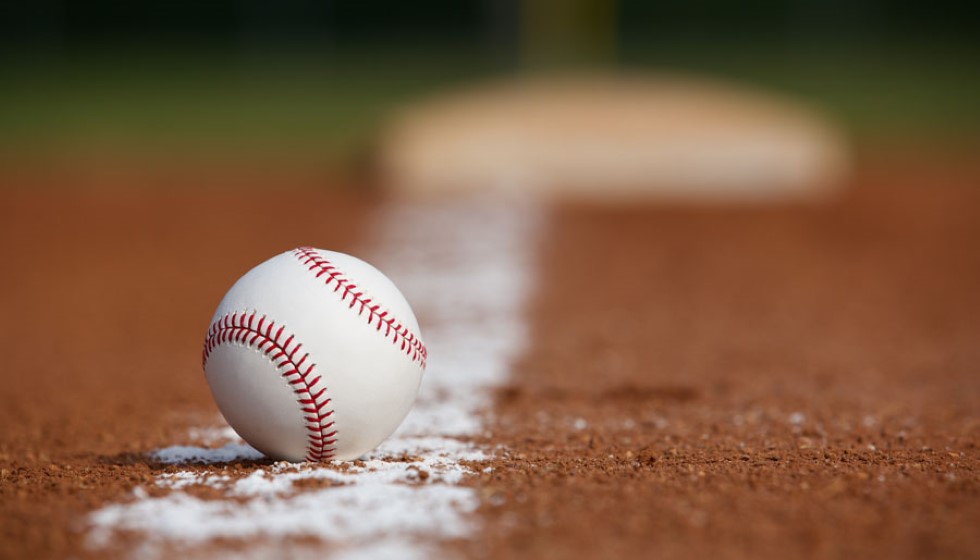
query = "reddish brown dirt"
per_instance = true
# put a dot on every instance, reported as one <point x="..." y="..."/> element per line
<point x="793" y="382"/>
<point x="752" y="383"/>
<point x="107" y="294"/>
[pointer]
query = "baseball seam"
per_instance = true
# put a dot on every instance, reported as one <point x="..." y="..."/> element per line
<point x="377" y="317"/>
<point x="282" y="348"/>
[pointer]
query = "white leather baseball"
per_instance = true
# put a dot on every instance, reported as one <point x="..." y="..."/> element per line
<point x="314" y="355"/>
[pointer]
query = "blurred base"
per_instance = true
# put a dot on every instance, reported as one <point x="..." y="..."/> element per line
<point x="615" y="137"/>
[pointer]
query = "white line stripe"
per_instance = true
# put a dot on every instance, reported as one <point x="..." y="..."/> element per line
<point x="466" y="266"/>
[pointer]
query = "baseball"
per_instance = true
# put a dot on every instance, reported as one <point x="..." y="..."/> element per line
<point x="314" y="355"/>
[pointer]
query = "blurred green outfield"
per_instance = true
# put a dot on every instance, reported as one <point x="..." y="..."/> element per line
<point x="326" y="104"/>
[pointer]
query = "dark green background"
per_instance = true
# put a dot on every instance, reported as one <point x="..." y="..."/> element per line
<point x="317" y="77"/>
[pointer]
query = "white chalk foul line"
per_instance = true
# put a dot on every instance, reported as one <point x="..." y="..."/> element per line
<point x="467" y="267"/>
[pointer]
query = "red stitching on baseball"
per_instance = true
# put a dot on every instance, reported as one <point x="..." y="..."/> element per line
<point x="400" y="336"/>
<point x="237" y="327"/>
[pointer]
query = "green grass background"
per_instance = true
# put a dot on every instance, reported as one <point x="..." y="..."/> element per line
<point x="326" y="104"/>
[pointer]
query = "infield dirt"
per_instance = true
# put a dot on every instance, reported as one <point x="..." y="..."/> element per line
<point x="768" y="382"/>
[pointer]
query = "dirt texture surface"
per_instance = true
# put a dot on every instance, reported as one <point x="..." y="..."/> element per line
<point x="107" y="293"/>
<point x="734" y="383"/>
<point x="793" y="382"/>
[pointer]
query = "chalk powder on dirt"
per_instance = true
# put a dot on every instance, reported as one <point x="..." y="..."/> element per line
<point x="466" y="266"/>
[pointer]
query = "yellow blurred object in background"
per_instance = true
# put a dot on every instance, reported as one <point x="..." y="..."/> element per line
<point x="616" y="137"/>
